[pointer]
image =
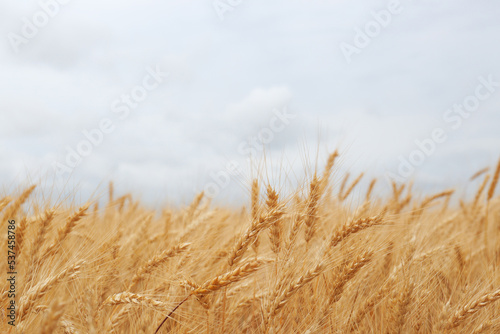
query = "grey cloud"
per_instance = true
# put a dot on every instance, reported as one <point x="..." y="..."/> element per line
<point x="226" y="77"/>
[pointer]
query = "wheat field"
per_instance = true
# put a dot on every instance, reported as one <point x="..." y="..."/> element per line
<point x="307" y="262"/>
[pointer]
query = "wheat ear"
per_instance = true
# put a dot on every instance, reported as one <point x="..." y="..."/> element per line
<point x="231" y="277"/>
<point x="156" y="261"/>
<point x="37" y="292"/>
<point x="354" y="227"/>
<point x="470" y="308"/>
<point x="284" y="296"/>
<point x="275" y="229"/>
<point x="63" y="232"/>
<point x="136" y="299"/>
<point x="479" y="173"/>
<point x="494" y="182"/>
<point x="312" y="208"/>
<point x="251" y="234"/>
<point x="255" y="209"/>
<point x="351" y="187"/>
<point x="55" y="314"/>
<point x="4" y="202"/>
<point x="480" y="192"/>
<point x="325" y="178"/>
<point x="14" y="208"/>
<point x="217" y="283"/>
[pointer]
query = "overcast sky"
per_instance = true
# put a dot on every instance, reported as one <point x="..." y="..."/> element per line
<point x="183" y="91"/>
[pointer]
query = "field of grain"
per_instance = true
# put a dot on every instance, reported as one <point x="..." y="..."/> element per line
<point x="310" y="262"/>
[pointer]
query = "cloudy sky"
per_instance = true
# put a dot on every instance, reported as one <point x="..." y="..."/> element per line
<point x="168" y="98"/>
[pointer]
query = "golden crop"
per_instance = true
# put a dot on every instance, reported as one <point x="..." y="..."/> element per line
<point x="306" y="263"/>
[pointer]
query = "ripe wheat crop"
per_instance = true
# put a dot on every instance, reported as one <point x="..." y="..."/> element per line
<point x="332" y="257"/>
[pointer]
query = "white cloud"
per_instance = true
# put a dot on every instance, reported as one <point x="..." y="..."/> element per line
<point x="226" y="77"/>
